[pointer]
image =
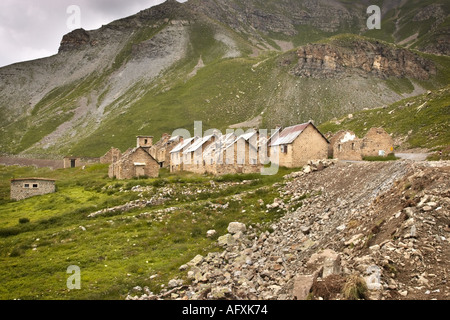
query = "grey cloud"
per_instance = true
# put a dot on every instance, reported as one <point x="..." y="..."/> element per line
<point x="31" y="29"/>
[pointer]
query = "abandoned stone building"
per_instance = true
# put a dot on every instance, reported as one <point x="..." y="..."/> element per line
<point x="111" y="156"/>
<point x="242" y="155"/>
<point x="29" y="187"/>
<point x="377" y="142"/>
<point x="161" y="150"/>
<point x="193" y="160"/>
<point x="136" y="162"/>
<point x="345" y="145"/>
<point x="177" y="156"/>
<point x="75" y="162"/>
<point x="294" y="146"/>
<point x="214" y="155"/>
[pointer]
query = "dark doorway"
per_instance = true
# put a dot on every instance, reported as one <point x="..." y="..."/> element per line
<point x="72" y="163"/>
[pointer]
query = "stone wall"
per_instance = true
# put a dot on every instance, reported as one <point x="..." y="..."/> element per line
<point x="377" y="142"/>
<point x="26" y="188"/>
<point x="113" y="155"/>
<point x="75" y="162"/>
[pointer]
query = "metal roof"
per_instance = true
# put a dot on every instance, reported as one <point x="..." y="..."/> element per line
<point x="289" y="134"/>
<point x="220" y="143"/>
<point x="246" y="136"/>
<point x="197" y="144"/>
<point x="182" y="145"/>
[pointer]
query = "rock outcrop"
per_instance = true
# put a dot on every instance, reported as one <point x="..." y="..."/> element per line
<point x="362" y="57"/>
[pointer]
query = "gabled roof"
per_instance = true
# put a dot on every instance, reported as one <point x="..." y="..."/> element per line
<point x="221" y="142"/>
<point x="246" y="137"/>
<point x="199" y="143"/>
<point x="179" y="147"/>
<point x="289" y="134"/>
<point x="131" y="151"/>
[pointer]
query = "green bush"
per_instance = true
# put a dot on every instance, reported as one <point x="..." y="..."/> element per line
<point x="24" y="220"/>
<point x="16" y="252"/>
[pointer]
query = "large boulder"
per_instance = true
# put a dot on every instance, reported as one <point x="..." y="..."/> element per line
<point x="235" y="227"/>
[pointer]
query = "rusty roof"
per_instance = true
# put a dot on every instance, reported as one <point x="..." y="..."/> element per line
<point x="289" y="134"/>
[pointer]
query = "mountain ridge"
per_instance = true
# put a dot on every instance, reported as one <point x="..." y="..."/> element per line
<point x="175" y="63"/>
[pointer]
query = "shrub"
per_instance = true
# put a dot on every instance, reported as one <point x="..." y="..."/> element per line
<point x="16" y="252"/>
<point x="355" y="288"/>
<point x="196" y="232"/>
<point x="7" y="232"/>
<point x="24" y="220"/>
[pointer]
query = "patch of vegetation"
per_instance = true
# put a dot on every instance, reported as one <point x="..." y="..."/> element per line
<point x="421" y="122"/>
<point x="355" y="288"/>
<point x="389" y="157"/>
<point x="116" y="252"/>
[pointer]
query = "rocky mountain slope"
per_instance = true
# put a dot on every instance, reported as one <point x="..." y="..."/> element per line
<point x="222" y="62"/>
<point x="386" y="223"/>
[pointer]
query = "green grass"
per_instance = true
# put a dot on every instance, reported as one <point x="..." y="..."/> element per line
<point x="422" y="121"/>
<point x="389" y="157"/>
<point x="117" y="251"/>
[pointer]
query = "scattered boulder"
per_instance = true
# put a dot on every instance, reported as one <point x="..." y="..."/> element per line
<point x="235" y="227"/>
<point x="211" y="233"/>
<point x="226" y="240"/>
<point x="302" y="286"/>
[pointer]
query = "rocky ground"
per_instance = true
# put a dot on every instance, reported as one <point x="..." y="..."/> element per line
<point x="381" y="228"/>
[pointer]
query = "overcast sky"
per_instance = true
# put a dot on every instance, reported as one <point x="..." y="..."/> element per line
<point x="31" y="29"/>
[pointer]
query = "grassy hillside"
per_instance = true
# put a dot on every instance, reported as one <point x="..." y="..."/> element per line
<point x="118" y="250"/>
<point x="219" y="78"/>
<point x="229" y="91"/>
<point x="418" y="122"/>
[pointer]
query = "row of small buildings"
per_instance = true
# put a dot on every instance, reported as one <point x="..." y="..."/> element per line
<point x="248" y="152"/>
<point x="219" y="154"/>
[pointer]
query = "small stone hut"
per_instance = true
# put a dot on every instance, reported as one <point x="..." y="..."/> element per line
<point x="75" y="162"/>
<point x="24" y="188"/>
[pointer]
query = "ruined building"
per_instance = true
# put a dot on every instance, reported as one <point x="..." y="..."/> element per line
<point x="345" y="145"/>
<point x="136" y="162"/>
<point x="377" y="142"/>
<point x="111" y="156"/>
<point x="161" y="150"/>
